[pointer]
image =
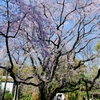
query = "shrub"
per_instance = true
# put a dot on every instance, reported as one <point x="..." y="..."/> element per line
<point x="8" y="96"/>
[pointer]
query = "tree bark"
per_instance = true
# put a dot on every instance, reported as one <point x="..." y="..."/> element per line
<point x="42" y="92"/>
<point x="87" y="91"/>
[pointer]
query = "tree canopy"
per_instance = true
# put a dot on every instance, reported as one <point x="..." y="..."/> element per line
<point x="41" y="33"/>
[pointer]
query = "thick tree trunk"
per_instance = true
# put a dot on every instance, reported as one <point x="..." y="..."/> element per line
<point x="53" y="92"/>
<point x="52" y="96"/>
<point x="42" y="97"/>
<point x="45" y="96"/>
<point x="42" y="92"/>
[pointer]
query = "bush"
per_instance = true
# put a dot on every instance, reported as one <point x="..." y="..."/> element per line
<point x="73" y="96"/>
<point x="25" y="98"/>
<point x="8" y="96"/>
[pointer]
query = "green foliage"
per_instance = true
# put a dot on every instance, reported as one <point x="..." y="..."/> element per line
<point x="53" y="84"/>
<point x="25" y="92"/>
<point x="77" y="95"/>
<point x="8" y="96"/>
<point x="97" y="47"/>
<point x="73" y="96"/>
<point x="1" y="72"/>
<point x="26" y="98"/>
<point x="91" y="72"/>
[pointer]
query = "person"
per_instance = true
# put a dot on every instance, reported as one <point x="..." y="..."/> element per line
<point x="59" y="97"/>
<point x="63" y="97"/>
